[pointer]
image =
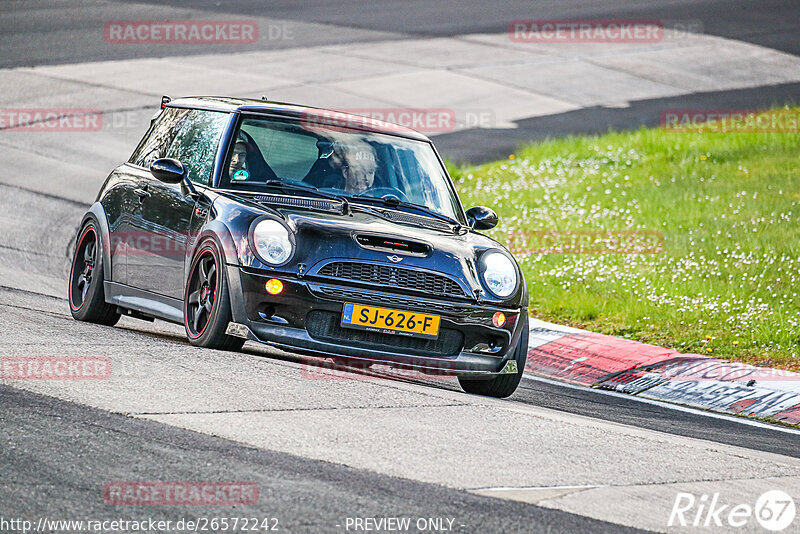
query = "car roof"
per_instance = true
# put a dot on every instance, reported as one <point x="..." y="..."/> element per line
<point x="320" y="116"/>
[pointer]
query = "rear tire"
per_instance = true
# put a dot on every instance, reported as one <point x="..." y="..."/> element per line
<point x="87" y="298"/>
<point x="502" y="386"/>
<point x="207" y="303"/>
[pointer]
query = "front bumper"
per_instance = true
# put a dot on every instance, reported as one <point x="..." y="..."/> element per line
<point x="305" y="318"/>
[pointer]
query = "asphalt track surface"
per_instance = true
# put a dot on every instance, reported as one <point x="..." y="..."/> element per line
<point x="43" y="33"/>
<point x="56" y="455"/>
<point x="47" y="33"/>
<point x="41" y="436"/>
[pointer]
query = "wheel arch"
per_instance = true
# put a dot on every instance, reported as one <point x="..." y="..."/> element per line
<point x="221" y="234"/>
<point x="223" y="237"/>
<point x="97" y="214"/>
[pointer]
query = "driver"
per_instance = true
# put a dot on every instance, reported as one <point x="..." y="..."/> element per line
<point x="237" y="169"/>
<point x="359" y="168"/>
<point x="347" y="166"/>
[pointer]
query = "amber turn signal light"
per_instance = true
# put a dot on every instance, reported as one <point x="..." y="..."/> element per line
<point x="499" y="319"/>
<point x="275" y="286"/>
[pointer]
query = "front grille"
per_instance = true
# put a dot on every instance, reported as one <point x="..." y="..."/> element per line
<point x="387" y="275"/>
<point x="392" y="301"/>
<point x="325" y="326"/>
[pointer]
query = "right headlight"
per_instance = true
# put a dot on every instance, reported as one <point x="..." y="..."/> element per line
<point x="499" y="274"/>
<point x="271" y="242"/>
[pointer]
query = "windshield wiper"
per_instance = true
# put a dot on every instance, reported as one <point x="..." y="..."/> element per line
<point x="288" y="186"/>
<point x="395" y="203"/>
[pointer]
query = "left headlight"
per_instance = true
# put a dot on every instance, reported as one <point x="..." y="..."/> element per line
<point x="499" y="274"/>
<point x="271" y="242"/>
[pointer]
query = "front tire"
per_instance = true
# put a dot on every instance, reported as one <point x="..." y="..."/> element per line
<point x="87" y="298"/>
<point x="207" y="303"/>
<point x="502" y="386"/>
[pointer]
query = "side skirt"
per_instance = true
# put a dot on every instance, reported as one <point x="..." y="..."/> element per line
<point x="144" y="302"/>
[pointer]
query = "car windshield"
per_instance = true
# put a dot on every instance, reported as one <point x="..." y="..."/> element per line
<point x="361" y="166"/>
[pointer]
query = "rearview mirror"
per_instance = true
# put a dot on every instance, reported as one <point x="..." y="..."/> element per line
<point x="481" y="218"/>
<point x="168" y="170"/>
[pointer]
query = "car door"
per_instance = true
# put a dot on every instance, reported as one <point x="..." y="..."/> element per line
<point x="133" y="233"/>
<point x="167" y="209"/>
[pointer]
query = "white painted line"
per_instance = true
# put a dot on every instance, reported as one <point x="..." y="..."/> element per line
<point x="677" y="407"/>
<point x="535" y="488"/>
<point x="534" y="324"/>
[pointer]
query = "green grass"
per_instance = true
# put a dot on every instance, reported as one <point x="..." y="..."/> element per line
<point x="725" y="282"/>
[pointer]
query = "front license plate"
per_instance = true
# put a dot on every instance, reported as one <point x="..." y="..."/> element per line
<point x="390" y="321"/>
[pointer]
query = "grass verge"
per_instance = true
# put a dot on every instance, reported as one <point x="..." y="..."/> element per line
<point x="684" y="240"/>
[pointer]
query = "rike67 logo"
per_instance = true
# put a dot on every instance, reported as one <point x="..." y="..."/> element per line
<point x="774" y="510"/>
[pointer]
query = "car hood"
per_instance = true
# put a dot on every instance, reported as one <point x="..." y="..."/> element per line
<point x="325" y="236"/>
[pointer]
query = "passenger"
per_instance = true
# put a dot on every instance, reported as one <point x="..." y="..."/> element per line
<point x="326" y="172"/>
<point x="238" y="166"/>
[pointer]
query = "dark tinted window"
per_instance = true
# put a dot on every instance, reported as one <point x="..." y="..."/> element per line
<point x="339" y="160"/>
<point x="155" y="143"/>
<point x="196" y="143"/>
<point x="290" y="151"/>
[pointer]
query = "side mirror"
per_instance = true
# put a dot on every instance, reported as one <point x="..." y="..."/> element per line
<point x="481" y="218"/>
<point x="168" y="170"/>
<point x="172" y="171"/>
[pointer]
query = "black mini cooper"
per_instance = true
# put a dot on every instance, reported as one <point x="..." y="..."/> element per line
<point x="310" y="230"/>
